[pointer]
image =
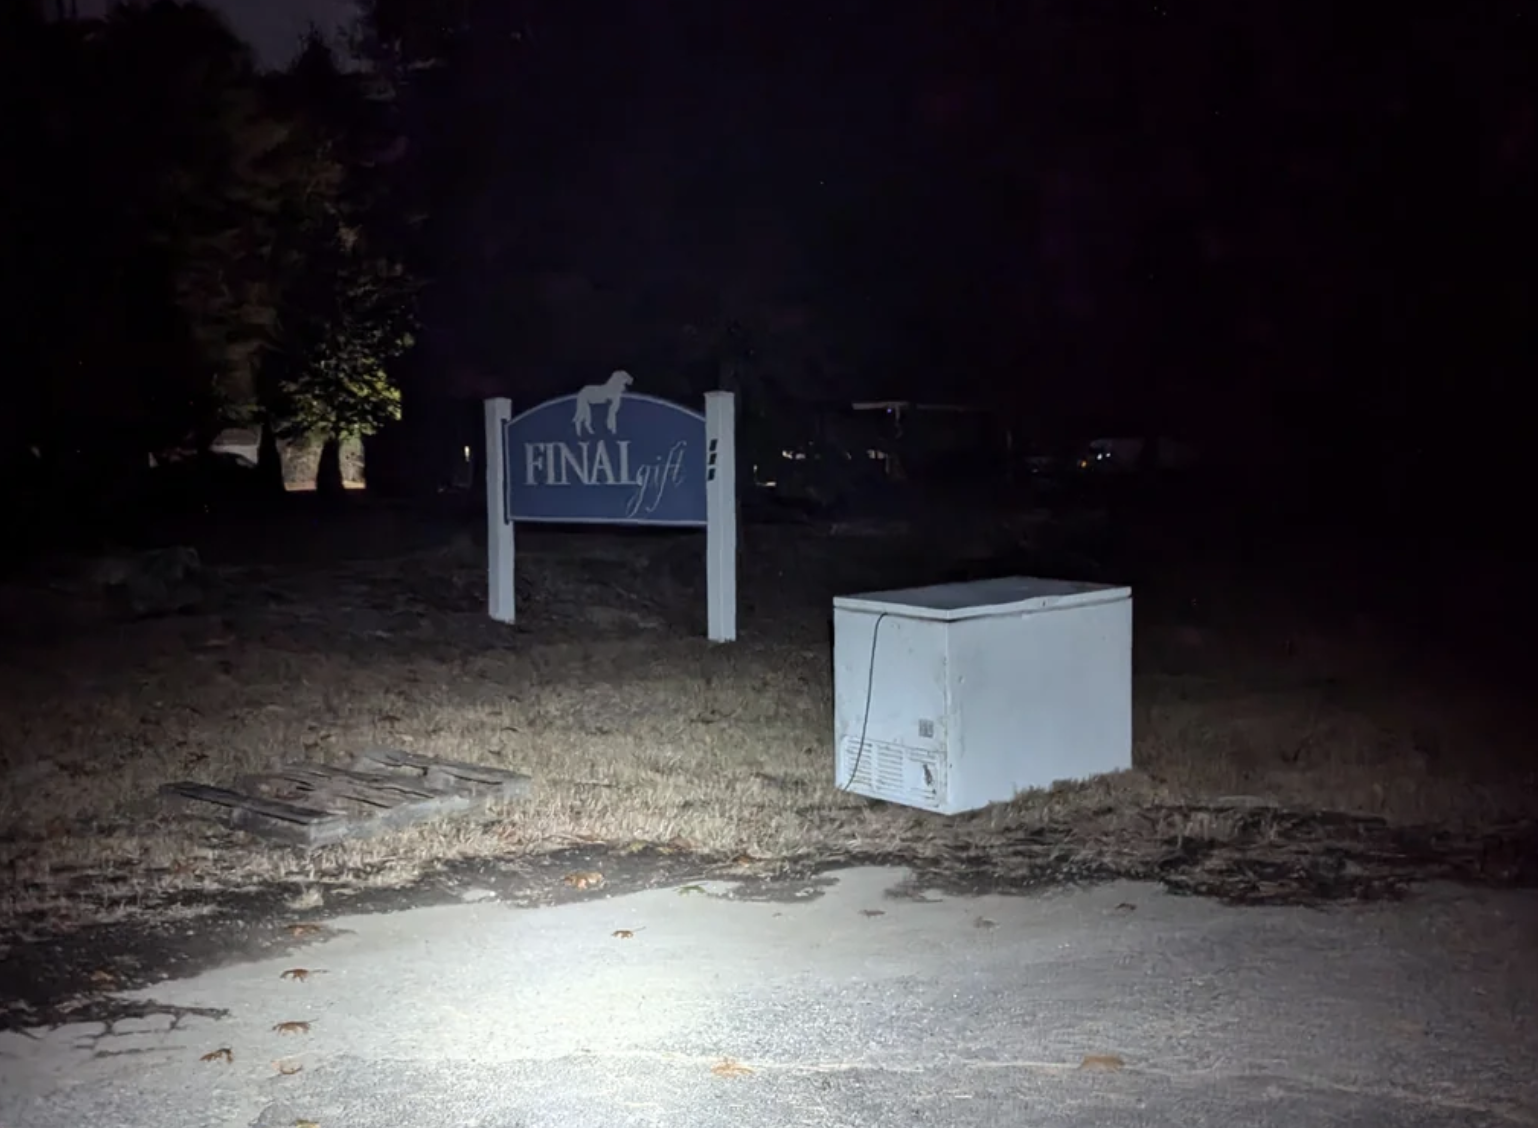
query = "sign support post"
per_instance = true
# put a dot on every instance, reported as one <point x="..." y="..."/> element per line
<point x="499" y="523"/>
<point x="721" y="516"/>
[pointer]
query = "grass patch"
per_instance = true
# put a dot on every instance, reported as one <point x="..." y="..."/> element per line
<point x="636" y="730"/>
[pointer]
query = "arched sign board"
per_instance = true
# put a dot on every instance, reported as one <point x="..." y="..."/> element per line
<point x="609" y="456"/>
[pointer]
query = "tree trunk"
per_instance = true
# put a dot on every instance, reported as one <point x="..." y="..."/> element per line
<point x="328" y="473"/>
<point x="269" y="462"/>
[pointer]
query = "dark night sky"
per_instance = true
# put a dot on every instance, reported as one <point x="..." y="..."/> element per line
<point x="272" y="27"/>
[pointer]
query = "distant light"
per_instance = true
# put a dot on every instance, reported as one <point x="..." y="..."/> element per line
<point x="467" y="454"/>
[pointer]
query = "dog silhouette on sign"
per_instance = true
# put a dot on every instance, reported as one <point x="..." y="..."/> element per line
<point x="611" y="392"/>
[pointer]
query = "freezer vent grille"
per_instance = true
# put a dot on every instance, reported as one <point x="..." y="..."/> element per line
<point x="913" y="777"/>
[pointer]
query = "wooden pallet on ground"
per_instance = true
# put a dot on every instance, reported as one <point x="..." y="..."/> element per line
<point x="313" y="805"/>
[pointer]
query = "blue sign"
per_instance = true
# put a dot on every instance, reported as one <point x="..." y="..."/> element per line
<point x="606" y="455"/>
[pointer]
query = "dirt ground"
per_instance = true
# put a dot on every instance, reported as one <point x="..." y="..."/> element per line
<point x="1284" y="747"/>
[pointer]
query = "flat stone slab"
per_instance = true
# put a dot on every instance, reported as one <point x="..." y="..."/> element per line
<point x="313" y="805"/>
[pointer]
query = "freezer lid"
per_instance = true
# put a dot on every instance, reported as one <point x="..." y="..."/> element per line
<point x="1007" y="595"/>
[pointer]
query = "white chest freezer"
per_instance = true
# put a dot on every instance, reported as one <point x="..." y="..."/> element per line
<point x="951" y="697"/>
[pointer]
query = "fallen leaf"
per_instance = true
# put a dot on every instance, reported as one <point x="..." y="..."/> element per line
<point x="292" y="1028"/>
<point x="299" y="931"/>
<point x="744" y="860"/>
<point x="872" y="912"/>
<point x="1102" y="1063"/>
<point x="584" y="879"/>
<point x="103" y="977"/>
<point x="306" y="1124"/>
<point x="623" y="934"/>
<point x="288" y="1068"/>
<point x="727" y="1067"/>
<point x="688" y="889"/>
<point x="224" y="1054"/>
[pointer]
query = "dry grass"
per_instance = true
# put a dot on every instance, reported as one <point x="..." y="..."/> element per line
<point x="630" y="735"/>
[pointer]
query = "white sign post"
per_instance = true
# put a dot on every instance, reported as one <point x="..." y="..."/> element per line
<point x="499" y="525"/>
<point x="721" y="516"/>
<point x="609" y="456"/>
